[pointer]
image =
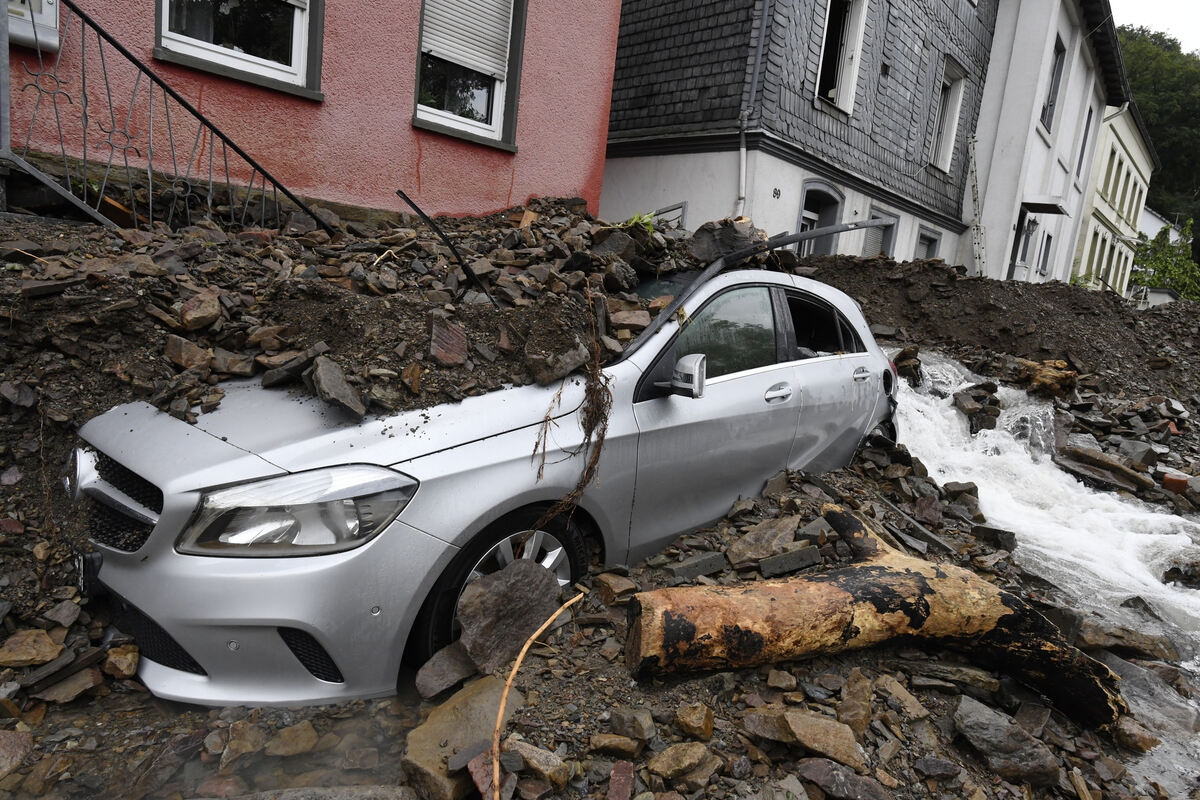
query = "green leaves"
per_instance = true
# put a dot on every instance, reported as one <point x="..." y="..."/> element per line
<point x="1162" y="264"/>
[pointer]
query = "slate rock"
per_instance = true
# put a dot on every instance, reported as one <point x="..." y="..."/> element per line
<point x="855" y="708"/>
<point x="547" y="367"/>
<point x="122" y="661"/>
<point x="450" y="727"/>
<point x="28" y="648"/>
<point x="293" y="740"/>
<point x="636" y="723"/>
<point x="448" y="667"/>
<point x="185" y="353"/>
<point x="767" y="538"/>
<point x="329" y="382"/>
<point x="613" y="744"/>
<point x="696" y="720"/>
<point x="200" y="310"/>
<point x="840" y="782"/>
<point x="15" y="746"/>
<point x="447" y="342"/>
<point x="697" y="565"/>
<point x="498" y="612"/>
<point x="543" y="763"/>
<point x="1009" y="750"/>
<point x="678" y="759"/>
<point x="621" y="781"/>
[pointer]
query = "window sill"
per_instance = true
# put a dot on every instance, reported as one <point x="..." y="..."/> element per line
<point x="832" y="108"/>
<point x="1044" y="132"/>
<point x="447" y="130"/>
<point x="162" y="54"/>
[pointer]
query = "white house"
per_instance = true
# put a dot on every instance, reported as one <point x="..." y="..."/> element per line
<point x="1055" y="66"/>
<point x="1116" y="199"/>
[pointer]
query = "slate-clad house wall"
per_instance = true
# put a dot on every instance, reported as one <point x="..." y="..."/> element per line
<point x="681" y="66"/>
<point x="694" y="82"/>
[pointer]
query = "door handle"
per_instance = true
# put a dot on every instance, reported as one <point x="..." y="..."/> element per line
<point x="861" y="374"/>
<point x="778" y="393"/>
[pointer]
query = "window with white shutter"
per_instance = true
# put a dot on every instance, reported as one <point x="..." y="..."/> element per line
<point x="465" y="81"/>
<point x="271" y="42"/>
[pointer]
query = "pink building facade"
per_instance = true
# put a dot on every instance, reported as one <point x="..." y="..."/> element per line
<point x="470" y="106"/>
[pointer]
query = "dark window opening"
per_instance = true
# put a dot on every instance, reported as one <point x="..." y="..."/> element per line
<point x="260" y="28"/>
<point x="820" y="210"/>
<point x="1056" y="71"/>
<point x="456" y="90"/>
<point x="818" y="328"/>
<point x="836" y="29"/>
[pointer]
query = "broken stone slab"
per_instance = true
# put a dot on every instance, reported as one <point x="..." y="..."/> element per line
<point x="900" y="698"/>
<point x="447" y="668"/>
<point x="695" y="566"/>
<point x="1102" y="466"/>
<point x="67" y="690"/>
<point x="614" y="589"/>
<point x="790" y="560"/>
<point x="767" y="538"/>
<point x="64" y="614"/>
<point x="329" y="382"/>
<point x="18" y="393"/>
<point x="812" y="731"/>
<point x="245" y="738"/>
<point x="1007" y="748"/>
<point x="498" y="612"/>
<point x="613" y="744"/>
<point x="1095" y="635"/>
<point x="854" y="710"/>
<point x="453" y="726"/>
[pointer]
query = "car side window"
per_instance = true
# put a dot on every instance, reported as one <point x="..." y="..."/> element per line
<point x="736" y="330"/>
<point x="819" y="329"/>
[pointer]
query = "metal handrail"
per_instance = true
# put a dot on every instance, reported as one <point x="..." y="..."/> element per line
<point x="117" y="138"/>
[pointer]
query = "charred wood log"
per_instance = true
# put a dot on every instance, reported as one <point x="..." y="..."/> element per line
<point x="886" y="596"/>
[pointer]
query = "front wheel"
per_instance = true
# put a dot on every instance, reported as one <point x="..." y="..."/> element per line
<point x="558" y="545"/>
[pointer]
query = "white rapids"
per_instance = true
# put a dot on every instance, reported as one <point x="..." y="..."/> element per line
<point x="1098" y="549"/>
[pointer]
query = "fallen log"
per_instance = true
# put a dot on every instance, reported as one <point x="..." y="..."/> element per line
<point x="886" y="596"/>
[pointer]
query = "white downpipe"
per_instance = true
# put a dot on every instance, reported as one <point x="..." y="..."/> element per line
<point x="739" y="207"/>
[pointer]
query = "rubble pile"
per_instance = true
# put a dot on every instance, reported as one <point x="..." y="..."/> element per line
<point x="381" y="319"/>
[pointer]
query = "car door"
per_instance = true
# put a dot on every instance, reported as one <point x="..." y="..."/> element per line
<point x="835" y="382"/>
<point x="696" y="456"/>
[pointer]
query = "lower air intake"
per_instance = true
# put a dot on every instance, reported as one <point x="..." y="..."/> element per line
<point x="153" y="642"/>
<point x="308" y="651"/>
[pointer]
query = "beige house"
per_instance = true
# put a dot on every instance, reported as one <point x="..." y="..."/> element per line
<point x="1116" y="195"/>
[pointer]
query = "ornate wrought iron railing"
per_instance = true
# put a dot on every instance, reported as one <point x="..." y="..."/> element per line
<point x="109" y="136"/>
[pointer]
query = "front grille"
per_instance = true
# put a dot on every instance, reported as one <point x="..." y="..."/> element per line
<point x="153" y="642"/>
<point x="310" y="653"/>
<point x="132" y="485"/>
<point x="109" y="527"/>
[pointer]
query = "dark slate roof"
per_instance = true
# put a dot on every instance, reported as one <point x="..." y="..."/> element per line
<point x="681" y="66"/>
<point x="1097" y="18"/>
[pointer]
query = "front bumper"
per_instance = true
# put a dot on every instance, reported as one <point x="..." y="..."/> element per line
<point x="229" y="631"/>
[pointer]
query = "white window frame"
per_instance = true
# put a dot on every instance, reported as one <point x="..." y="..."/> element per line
<point x="493" y="130"/>
<point x="296" y="74"/>
<point x="1058" y="66"/>
<point x="946" y="114"/>
<point x="846" y="83"/>
<point x="34" y="23"/>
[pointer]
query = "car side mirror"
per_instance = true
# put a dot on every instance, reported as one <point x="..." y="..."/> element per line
<point x="688" y="377"/>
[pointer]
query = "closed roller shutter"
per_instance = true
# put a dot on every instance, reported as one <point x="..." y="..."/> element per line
<point x="471" y="34"/>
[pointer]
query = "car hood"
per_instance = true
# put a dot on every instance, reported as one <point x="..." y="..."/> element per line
<point x="295" y="431"/>
<point x="257" y="432"/>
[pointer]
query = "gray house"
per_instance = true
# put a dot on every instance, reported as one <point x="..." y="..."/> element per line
<point x="801" y="113"/>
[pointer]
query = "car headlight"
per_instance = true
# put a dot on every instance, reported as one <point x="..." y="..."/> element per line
<point x="309" y="513"/>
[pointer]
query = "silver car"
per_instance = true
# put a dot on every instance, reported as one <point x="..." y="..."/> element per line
<point x="278" y="553"/>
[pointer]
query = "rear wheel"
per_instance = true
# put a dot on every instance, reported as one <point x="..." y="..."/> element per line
<point x="558" y="545"/>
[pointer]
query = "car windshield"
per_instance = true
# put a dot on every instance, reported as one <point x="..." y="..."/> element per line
<point x="670" y="284"/>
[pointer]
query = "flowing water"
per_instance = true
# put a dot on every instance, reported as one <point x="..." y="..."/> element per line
<point x="1099" y="550"/>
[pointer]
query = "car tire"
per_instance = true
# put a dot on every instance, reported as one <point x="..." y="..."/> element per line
<point x="558" y="545"/>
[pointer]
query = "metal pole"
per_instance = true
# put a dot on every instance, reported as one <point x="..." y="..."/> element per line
<point x="5" y="94"/>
